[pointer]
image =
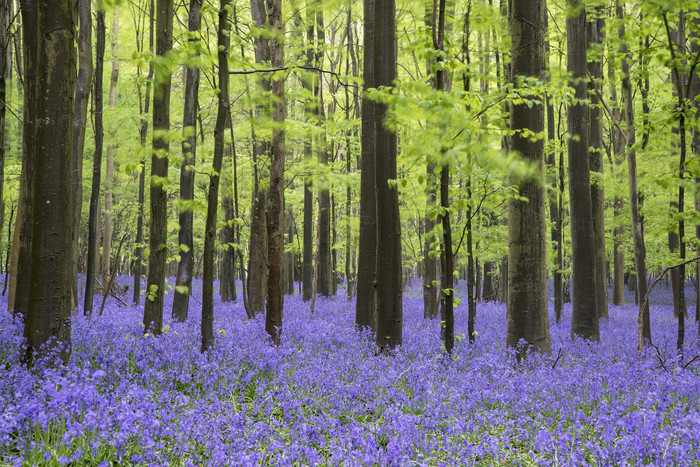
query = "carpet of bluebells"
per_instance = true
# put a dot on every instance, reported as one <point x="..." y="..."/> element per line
<point x="324" y="398"/>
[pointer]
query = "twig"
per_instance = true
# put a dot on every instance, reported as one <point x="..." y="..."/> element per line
<point x="557" y="359"/>
<point x="661" y="360"/>
<point x="695" y="358"/>
<point x="610" y="113"/>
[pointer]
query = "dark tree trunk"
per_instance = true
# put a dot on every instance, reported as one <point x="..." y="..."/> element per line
<point x="183" y="279"/>
<point x="48" y="315"/>
<point x="227" y="281"/>
<point x="275" y="202"/>
<point x="153" y="309"/>
<point x="584" y="321"/>
<point x="389" y="287"/>
<point x="637" y="233"/>
<point x="596" y="36"/>
<point x="308" y="253"/>
<point x="618" y="289"/>
<point x="365" y="306"/>
<point x="222" y="114"/>
<point x="488" y="293"/>
<point x="93" y="219"/>
<point x="289" y="255"/>
<point x="83" y="83"/>
<point x="528" y="319"/>
<point x="258" y="270"/>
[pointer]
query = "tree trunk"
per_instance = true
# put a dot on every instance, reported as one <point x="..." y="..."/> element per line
<point x="183" y="279"/>
<point x="144" y="107"/>
<point x="227" y="281"/>
<point x="389" y="287"/>
<point x="108" y="225"/>
<point x="83" y="83"/>
<point x="618" y="296"/>
<point x="596" y="36"/>
<point x="153" y="309"/>
<point x="48" y="315"/>
<point x="92" y="249"/>
<point x="222" y="114"/>
<point x="365" y="306"/>
<point x="487" y="291"/>
<point x="584" y="320"/>
<point x="308" y="253"/>
<point x="528" y="319"/>
<point x="275" y="203"/>
<point x="18" y="299"/>
<point x="644" y="326"/>
<point x="289" y="255"/>
<point x="258" y="270"/>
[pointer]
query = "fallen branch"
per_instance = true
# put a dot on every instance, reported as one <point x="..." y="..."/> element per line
<point x="645" y="301"/>
<point x="557" y="359"/>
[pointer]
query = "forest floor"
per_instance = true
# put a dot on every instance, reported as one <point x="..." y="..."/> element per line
<point x="324" y="398"/>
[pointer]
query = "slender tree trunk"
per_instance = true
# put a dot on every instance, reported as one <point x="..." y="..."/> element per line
<point x="289" y="255"/>
<point x="153" y="309"/>
<point x="365" y="306"/>
<point x="596" y="36"/>
<point x="227" y="281"/>
<point x="528" y="319"/>
<point x="92" y="249"/>
<point x="308" y="84"/>
<point x="83" y="83"/>
<point x="389" y="287"/>
<point x="644" y="327"/>
<point x="48" y="315"/>
<point x="213" y="193"/>
<point x="108" y="222"/>
<point x="618" y="296"/>
<point x="183" y="279"/>
<point x="275" y="204"/>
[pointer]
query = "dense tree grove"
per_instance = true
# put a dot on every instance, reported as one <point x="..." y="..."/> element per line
<point x="349" y="157"/>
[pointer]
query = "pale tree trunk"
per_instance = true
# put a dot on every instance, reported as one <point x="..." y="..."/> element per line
<point x="222" y="114"/>
<point x="275" y="204"/>
<point x="155" y="291"/>
<point x="389" y="286"/>
<point x="108" y="225"/>
<point x="48" y="315"/>
<point x="528" y="320"/>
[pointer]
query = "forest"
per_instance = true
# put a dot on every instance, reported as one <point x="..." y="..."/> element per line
<point x="343" y="232"/>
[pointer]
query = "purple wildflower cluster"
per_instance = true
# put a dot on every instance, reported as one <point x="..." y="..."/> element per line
<point x="323" y="397"/>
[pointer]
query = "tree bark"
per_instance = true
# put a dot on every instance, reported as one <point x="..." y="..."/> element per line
<point x="48" y="315"/>
<point x="275" y="204"/>
<point x="227" y="281"/>
<point x="153" y="309"/>
<point x="584" y="321"/>
<point x="93" y="216"/>
<point x="596" y="36"/>
<point x="388" y="272"/>
<point x="144" y="108"/>
<point x="644" y="326"/>
<point x="365" y="305"/>
<point x="528" y="319"/>
<point x="83" y="83"/>
<point x="183" y="279"/>
<point x="222" y="114"/>
<point x="618" y="296"/>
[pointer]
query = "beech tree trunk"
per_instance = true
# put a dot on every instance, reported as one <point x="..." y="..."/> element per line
<point x="48" y="315"/>
<point x="222" y="114"/>
<point x="584" y="321"/>
<point x="275" y="204"/>
<point x="365" y="306"/>
<point x="158" y="242"/>
<point x="596" y="36"/>
<point x="83" y="84"/>
<point x="389" y="286"/>
<point x="183" y="279"/>
<point x="528" y="319"/>
<point x="93" y="219"/>
<point x="644" y="326"/>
